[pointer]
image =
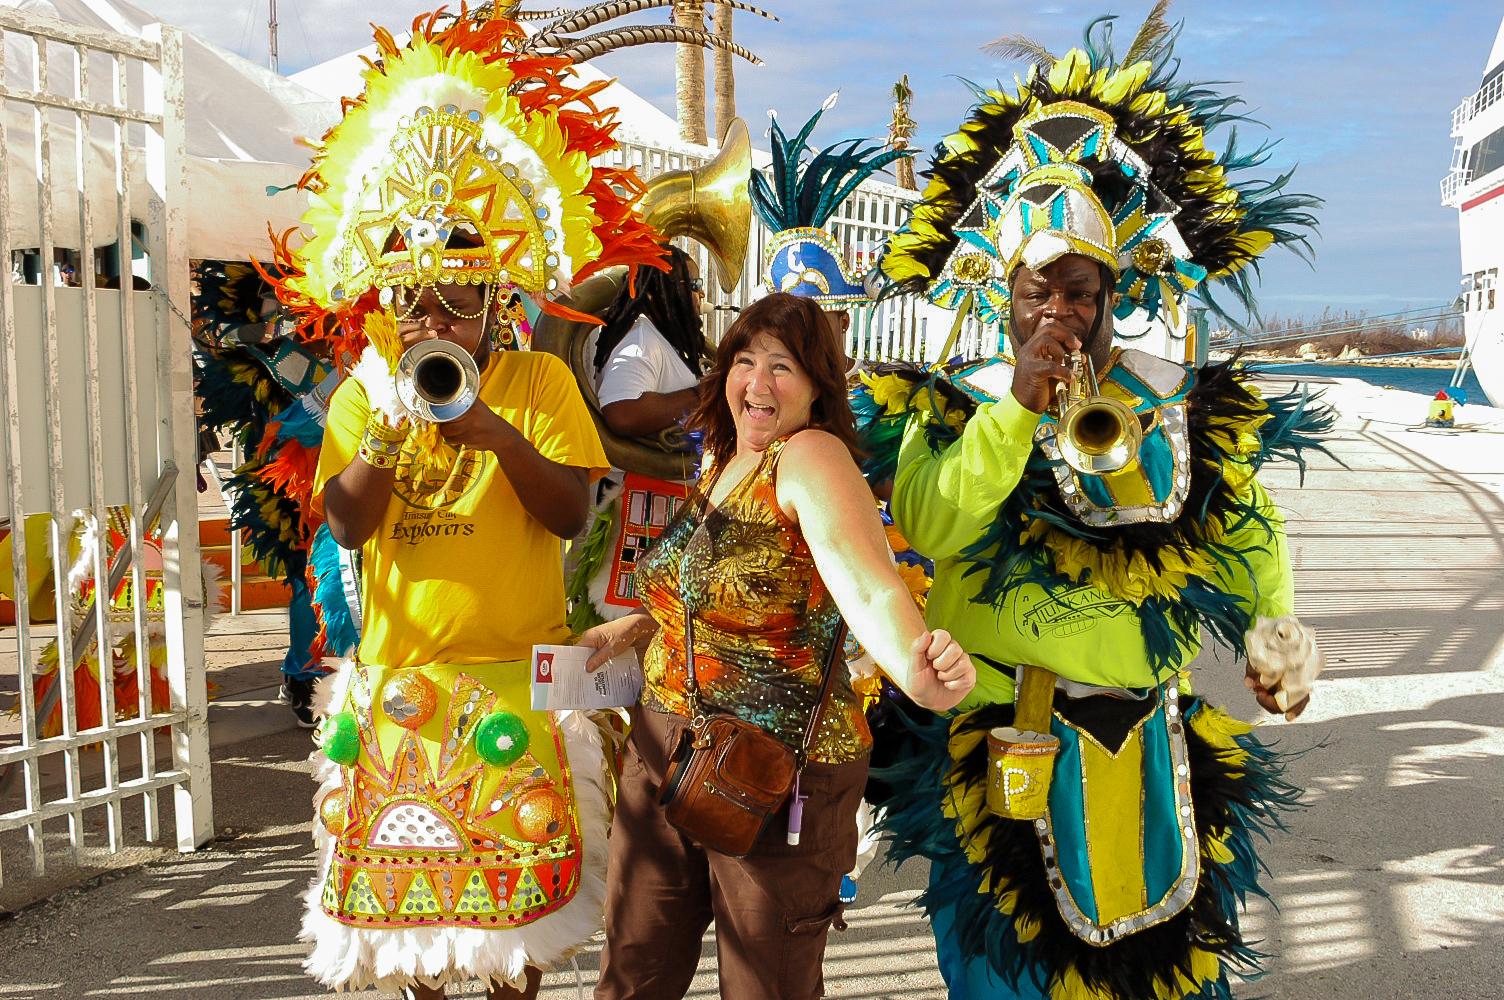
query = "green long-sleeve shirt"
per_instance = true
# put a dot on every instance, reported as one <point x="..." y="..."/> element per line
<point x="944" y="502"/>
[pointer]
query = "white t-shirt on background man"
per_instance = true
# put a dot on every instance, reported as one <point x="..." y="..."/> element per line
<point x="643" y="362"/>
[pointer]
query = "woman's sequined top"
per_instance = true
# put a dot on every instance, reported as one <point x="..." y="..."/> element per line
<point x="763" y="618"/>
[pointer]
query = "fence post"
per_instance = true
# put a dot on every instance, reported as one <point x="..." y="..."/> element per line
<point x="183" y="575"/>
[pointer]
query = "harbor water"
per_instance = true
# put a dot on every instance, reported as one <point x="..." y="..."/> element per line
<point x="1423" y="380"/>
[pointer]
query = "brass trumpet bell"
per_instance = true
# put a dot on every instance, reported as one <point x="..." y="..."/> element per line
<point x="711" y="205"/>
<point x="437" y="380"/>
<point x="1095" y="434"/>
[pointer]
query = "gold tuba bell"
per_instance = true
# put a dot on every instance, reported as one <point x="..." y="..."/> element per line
<point x="1096" y="434"/>
<point x="711" y="205"/>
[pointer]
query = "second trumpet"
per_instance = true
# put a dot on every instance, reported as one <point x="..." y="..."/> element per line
<point x="1096" y="434"/>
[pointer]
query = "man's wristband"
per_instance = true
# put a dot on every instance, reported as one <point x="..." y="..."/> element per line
<point x="376" y="457"/>
<point x="381" y="445"/>
<point x="379" y="430"/>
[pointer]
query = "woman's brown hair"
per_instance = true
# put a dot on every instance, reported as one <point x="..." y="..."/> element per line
<point x="800" y="326"/>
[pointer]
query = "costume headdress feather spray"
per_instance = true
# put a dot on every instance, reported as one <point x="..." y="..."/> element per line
<point x="467" y="159"/>
<point x="1122" y="133"/>
<point x="805" y="190"/>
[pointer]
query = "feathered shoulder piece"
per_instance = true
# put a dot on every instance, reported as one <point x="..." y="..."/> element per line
<point x="1152" y="535"/>
<point x="1106" y="158"/>
<point x="805" y="190"/>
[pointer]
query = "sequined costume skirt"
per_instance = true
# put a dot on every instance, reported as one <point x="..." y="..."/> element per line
<point x="462" y="834"/>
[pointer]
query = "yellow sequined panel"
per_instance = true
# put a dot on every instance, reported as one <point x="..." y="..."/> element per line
<point x="457" y="806"/>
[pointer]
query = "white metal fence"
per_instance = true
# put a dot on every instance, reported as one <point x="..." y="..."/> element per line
<point x="97" y="430"/>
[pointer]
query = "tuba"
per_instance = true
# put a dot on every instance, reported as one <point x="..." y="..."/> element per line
<point x="710" y="205"/>
<point x="1096" y="434"/>
<point x="666" y="458"/>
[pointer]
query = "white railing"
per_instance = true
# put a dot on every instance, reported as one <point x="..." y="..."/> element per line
<point x="1486" y="97"/>
<point x="97" y="431"/>
<point x="896" y="329"/>
<point x="1452" y="185"/>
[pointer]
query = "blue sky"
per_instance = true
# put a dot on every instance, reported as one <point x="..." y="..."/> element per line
<point x="1360" y="93"/>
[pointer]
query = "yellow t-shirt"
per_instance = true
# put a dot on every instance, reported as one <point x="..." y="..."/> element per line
<point x="459" y="572"/>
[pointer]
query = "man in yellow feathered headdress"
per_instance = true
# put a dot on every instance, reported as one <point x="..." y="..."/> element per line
<point x="463" y="833"/>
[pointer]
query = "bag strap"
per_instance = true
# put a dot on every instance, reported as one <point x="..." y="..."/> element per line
<point x="837" y="646"/>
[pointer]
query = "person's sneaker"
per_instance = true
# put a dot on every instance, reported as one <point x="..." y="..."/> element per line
<point x="298" y="694"/>
<point x="848" y="890"/>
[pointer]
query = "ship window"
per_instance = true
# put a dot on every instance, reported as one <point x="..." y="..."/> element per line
<point x="1488" y="155"/>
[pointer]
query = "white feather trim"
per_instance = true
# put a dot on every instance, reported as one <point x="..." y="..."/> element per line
<point x="355" y="958"/>
<point x="375" y="376"/>
<point x="88" y="539"/>
<point x="329" y="690"/>
<point x="214" y="594"/>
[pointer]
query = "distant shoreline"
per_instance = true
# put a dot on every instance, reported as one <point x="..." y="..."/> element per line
<point x="1266" y="358"/>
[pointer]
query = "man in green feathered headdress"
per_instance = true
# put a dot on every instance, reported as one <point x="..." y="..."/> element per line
<point x="1089" y="822"/>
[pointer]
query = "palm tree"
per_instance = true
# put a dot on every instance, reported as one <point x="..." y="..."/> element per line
<point x="724" y="71"/>
<point x="900" y="130"/>
<point x="689" y="73"/>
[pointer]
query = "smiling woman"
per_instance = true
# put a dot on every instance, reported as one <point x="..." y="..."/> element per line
<point x="776" y="371"/>
<point x="745" y="591"/>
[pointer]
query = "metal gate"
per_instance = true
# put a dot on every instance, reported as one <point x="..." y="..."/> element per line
<point x="97" y="445"/>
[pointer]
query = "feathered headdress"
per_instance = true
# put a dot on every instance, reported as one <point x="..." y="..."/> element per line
<point x="470" y="158"/>
<point x="803" y="257"/>
<point x="1106" y="159"/>
<point x="477" y="130"/>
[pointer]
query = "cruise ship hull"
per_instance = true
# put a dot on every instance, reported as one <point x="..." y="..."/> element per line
<point x="1475" y="187"/>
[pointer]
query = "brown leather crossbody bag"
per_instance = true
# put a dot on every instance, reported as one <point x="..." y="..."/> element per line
<point x="727" y="777"/>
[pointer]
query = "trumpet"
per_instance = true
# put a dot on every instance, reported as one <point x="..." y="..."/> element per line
<point x="437" y="380"/>
<point x="1096" y="434"/>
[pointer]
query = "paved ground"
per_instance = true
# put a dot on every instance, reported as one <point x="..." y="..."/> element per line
<point x="1391" y="885"/>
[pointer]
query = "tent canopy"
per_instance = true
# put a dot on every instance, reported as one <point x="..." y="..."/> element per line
<point x="244" y="125"/>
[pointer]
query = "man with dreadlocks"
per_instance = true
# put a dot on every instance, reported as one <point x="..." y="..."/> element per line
<point x="650" y="352"/>
<point x="647" y="363"/>
<point x="1088" y="821"/>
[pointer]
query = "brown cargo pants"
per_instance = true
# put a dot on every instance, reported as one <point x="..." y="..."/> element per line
<point x="772" y="909"/>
